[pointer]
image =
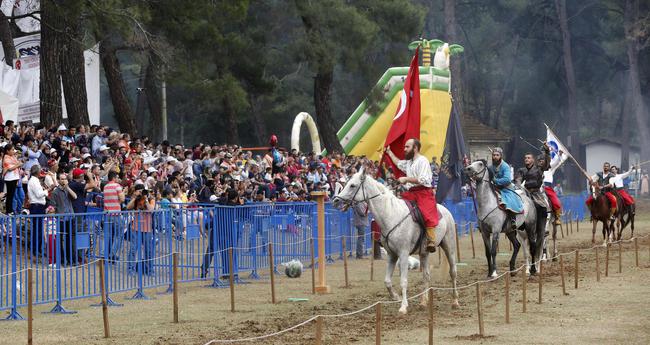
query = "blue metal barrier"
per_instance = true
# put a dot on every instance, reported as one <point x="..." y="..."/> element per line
<point x="138" y="246"/>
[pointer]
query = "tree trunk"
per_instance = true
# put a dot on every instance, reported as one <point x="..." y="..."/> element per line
<point x="322" y="101"/>
<point x="257" y="121"/>
<point x="637" y="107"/>
<point x="116" y="88"/>
<point x="232" y="132"/>
<point x="625" y="132"/>
<point x="141" y="104"/>
<point x="73" y="68"/>
<point x="50" y="83"/>
<point x="573" y="140"/>
<point x="454" y="65"/>
<point x="154" y="101"/>
<point x="7" y="40"/>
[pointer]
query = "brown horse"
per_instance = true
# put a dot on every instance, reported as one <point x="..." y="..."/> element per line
<point x="625" y="216"/>
<point x="600" y="212"/>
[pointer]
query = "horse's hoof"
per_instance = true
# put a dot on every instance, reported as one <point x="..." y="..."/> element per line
<point x="455" y="304"/>
<point x="494" y="274"/>
<point x="402" y="310"/>
<point x="396" y="298"/>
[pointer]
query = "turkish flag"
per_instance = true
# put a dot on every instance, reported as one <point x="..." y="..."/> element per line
<point x="406" y="123"/>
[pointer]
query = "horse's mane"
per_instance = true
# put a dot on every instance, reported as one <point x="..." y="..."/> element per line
<point x="382" y="188"/>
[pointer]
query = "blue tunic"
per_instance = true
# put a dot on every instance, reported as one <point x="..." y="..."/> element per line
<point x="503" y="180"/>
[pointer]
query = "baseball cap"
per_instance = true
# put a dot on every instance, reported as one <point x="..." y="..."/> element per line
<point x="77" y="172"/>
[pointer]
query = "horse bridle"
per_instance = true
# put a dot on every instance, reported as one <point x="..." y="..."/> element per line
<point x="473" y="176"/>
<point x="361" y="187"/>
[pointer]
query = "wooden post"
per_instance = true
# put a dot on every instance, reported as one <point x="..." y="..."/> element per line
<point x="231" y="280"/>
<point x="561" y="229"/>
<point x="636" y="251"/>
<point x="430" y="292"/>
<point x="620" y="256"/>
<point x="479" y="307"/>
<point x="607" y="261"/>
<point x="577" y="225"/>
<point x="319" y="330"/>
<point x="577" y="270"/>
<point x="570" y="225"/>
<point x="597" y="266"/>
<point x="175" y="286"/>
<point x="562" y="275"/>
<point x="345" y="263"/>
<point x="372" y="264"/>
<point x="322" y="286"/>
<point x="102" y="288"/>
<point x="378" y="324"/>
<point x="313" y="268"/>
<point x="524" y="287"/>
<point x="30" y="301"/>
<point x="439" y="258"/>
<point x="271" y="270"/>
<point x="508" y="298"/>
<point x="540" y="276"/>
<point x="471" y="236"/>
<point x="457" y="245"/>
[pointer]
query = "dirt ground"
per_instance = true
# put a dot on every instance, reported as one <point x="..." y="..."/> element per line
<point x="615" y="310"/>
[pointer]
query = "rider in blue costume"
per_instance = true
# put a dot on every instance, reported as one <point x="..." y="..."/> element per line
<point x="502" y="179"/>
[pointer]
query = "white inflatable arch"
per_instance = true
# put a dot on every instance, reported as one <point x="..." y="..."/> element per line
<point x="313" y="132"/>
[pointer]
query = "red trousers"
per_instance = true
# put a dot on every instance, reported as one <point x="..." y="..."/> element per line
<point x="426" y="201"/>
<point x="552" y="196"/>
<point x="609" y="195"/>
<point x="627" y="198"/>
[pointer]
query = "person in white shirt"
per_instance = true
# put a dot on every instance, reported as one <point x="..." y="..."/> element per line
<point x="616" y="182"/>
<point x="556" y="205"/>
<point x="37" y="195"/>
<point x="418" y="181"/>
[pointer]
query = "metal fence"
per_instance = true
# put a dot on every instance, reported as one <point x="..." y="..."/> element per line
<point x="137" y="246"/>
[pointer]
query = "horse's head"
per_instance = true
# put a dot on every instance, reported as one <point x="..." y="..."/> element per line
<point x="351" y="192"/>
<point x="477" y="171"/>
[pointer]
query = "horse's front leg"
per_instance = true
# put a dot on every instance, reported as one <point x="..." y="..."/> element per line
<point x="403" y="273"/>
<point x="388" y="280"/>
<point x="493" y="253"/>
<point x="488" y="251"/>
<point x="426" y="277"/>
<point x="554" y="242"/>
<point x="593" y="231"/>
<point x="523" y="239"/>
<point x="512" y="236"/>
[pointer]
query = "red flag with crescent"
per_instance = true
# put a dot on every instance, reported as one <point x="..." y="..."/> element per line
<point x="406" y="123"/>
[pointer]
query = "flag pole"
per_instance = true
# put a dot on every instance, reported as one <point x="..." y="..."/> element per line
<point x="584" y="172"/>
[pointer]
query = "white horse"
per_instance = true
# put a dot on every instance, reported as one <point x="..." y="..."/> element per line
<point x="399" y="233"/>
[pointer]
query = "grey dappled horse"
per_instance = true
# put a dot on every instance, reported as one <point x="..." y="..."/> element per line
<point x="492" y="220"/>
<point x="399" y="233"/>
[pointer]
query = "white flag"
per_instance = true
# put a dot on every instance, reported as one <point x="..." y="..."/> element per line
<point x="556" y="146"/>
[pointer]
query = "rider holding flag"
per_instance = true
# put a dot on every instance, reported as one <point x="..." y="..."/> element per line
<point x="418" y="184"/>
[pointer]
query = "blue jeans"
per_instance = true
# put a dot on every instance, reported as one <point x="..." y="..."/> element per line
<point x="113" y="230"/>
<point x="36" y="240"/>
<point x="141" y="249"/>
<point x="361" y="230"/>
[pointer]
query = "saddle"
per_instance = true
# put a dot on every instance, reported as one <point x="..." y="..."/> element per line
<point x="417" y="217"/>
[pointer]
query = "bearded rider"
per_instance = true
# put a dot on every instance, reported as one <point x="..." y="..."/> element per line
<point x="531" y="177"/>
<point x="502" y="179"/>
<point x="418" y="181"/>
<point x="601" y="179"/>
<point x="616" y="182"/>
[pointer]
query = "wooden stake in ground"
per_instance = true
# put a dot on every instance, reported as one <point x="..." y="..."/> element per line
<point x="319" y="330"/>
<point x="636" y="251"/>
<point x="345" y="263"/>
<point x="430" y="293"/>
<point x="577" y="270"/>
<point x="571" y="225"/>
<point x="175" y="286"/>
<point x="313" y="267"/>
<point x="271" y="268"/>
<point x="439" y="258"/>
<point x="378" y="324"/>
<point x="607" y="261"/>
<point x="457" y="245"/>
<point x="102" y="290"/>
<point x="577" y="225"/>
<point x="561" y="230"/>
<point x="372" y="264"/>
<point x="524" y="287"/>
<point x="471" y="236"/>
<point x="562" y="275"/>
<point x="231" y="280"/>
<point x="620" y="256"/>
<point x="597" y="266"/>
<point x="479" y="308"/>
<point x="30" y="301"/>
<point x="507" y="298"/>
<point x="540" y="276"/>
